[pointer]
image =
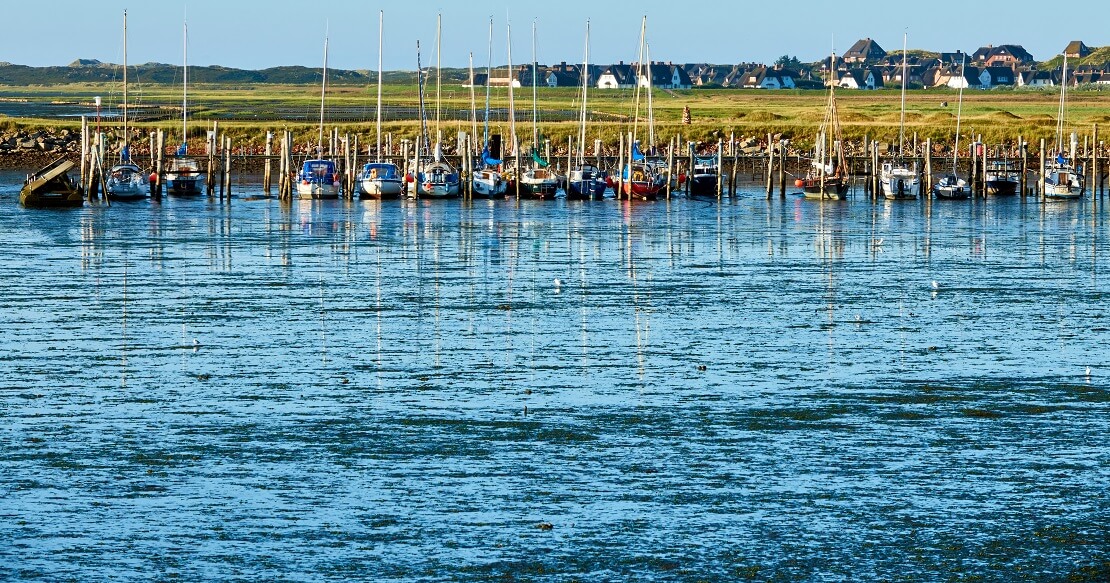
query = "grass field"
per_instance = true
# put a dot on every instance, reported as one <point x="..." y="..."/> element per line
<point x="247" y="112"/>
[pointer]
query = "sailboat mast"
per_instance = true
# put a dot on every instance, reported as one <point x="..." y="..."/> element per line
<point x="639" y="71"/>
<point x="902" y="119"/>
<point x="650" y="86"/>
<point x="124" y="83"/>
<point x="323" y="92"/>
<point x="473" y="105"/>
<point x="512" y="110"/>
<point x="185" y="88"/>
<point x="959" y="113"/>
<point x="585" y="90"/>
<point x="535" y="111"/>
<point x="1060" y="114"/>
<point x="439" y="61"/>
<point x="489" y="75"/>
<point x="420" y="93"/>
<point x="381" y="19"/>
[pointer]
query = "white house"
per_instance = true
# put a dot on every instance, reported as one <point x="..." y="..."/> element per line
<point x="769" y="78"/>
<point x="859" y="79"/>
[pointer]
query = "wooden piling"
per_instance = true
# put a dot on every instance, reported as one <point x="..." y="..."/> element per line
<point x="720" y="169"/>
<point x="928" y="165"/>
<point x="1093" y="152"/>
<point x="159" y="162"/>
<point x="770" y="167"/>
<point x="875" y="171"/>
<point x="620" y="169"/>
<point x="732" y="179"/>
<point x="691" y="149"/>
<point x="782" y="170"/>
<point x="1023" y="180"/>
<point x="267" y="164"/>
<point x="1040" y="177"/>
<point x="670" y="166"/>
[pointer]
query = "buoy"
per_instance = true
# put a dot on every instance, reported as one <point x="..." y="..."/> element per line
<point x="799" y="183"/>
<point x="682" y="178"/>
<point x="154" y="178"/>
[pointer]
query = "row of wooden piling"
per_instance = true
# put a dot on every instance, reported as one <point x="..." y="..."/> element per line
<point x="771" y="162"/>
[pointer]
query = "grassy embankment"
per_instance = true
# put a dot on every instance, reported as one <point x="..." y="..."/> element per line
<point x="247" y="112"/>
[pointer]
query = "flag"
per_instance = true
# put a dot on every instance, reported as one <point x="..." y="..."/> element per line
<point x="182" y="149"/>
<point x="1060" y="159"/>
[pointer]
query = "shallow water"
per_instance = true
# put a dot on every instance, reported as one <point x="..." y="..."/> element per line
<point x="551" y="391"/>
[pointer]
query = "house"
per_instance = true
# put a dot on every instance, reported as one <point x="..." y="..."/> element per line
<point x="990" y="77"/>
<point x="1036" y="79"/>
<point x="971" y="78"/>
<point x="769" y="78"/>
<point x="990" y="56"/>
<point x="663" y="76"/>
<point x="957" y="58"/>
<point x="619" y="76"/>
<point x="1076" y="50"/>
<point x="561" y="75"/>
<point x="701" y="74"/>
<point x="860" y="79"/>
<point x="497" y="79"/>
<point x="864" y="51"/>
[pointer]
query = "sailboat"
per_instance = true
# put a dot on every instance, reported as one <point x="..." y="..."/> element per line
<point x="380" y="179"/>
<point x="318" y="178"/>
<point x="183" y="174"/>
<point x="899" y="179"/>
<point x="1061" y="181"/>
<point x="126" y="181"/>
<point x="827" y="177"/>
<point x="437" y="179"/>
<point x="486" y="180"/>
<point x="641" y="178"/>
<point x="951" y="186"/>
<point x="585" y="180"/>
<point x="539" y="181"/>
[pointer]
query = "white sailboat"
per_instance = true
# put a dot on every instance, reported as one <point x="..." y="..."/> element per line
<point x="379" y="179"/>
<point x="899" y="179"/>
<point x="585" y="180"/>
<point x="486" y="180"/>
<point x="539" y="181"/>
<point x="318" y="178"/>
<point x="1061" y="181"/>
<point x="437" y="179"/>
<point x="183" y="175"/>
<point x="827" y="177"/>
<point x="126" y="181"/>
<point x="950" y="186"/>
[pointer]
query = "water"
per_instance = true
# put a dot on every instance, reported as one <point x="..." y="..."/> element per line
<point x="767" y="390"/>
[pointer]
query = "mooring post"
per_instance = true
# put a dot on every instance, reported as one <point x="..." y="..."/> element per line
<point x="735" y="164"/>
<point x="1023" y="180"/>
<point x="1040" y="177"/>
<point x="670" y="166"/>
<point x="782" y="169"/>
<point x="929" y="165"/>
<point x="876" y="170"/>
<point x="267" y="164"/>
<point x="620" y="169"/>
<point x="770" y="167"/>
<point x="1093" y="153"/>
<point x="160" y="162"/>
<point x="691" y="151"/>
<point x="720" y="169"/>
<point x="227" y="169"/>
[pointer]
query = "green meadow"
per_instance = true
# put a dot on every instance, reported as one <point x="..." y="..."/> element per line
<point x="246" y="112"/>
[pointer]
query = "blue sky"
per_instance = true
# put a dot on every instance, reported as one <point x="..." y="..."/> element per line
<point x="255" y="34"/>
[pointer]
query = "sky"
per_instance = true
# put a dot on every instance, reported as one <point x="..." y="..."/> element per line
<point x="255" y="34"/>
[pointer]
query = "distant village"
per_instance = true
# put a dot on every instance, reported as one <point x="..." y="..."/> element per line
<point x="864" y="66"/>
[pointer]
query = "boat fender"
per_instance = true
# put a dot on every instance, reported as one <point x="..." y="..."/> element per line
<point x="682" y="178"/>
<point x="799" y="183"/>
<point x="154" y="178"/>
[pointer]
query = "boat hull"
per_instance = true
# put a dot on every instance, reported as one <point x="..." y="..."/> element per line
<point x="60" y="199"/>
<point x="834" y="188"/>
<point x="1001" y="187"/>
<point x="317" y="191"/>
<point x="184" y="185"/>
<point x="703" y="185"/>
<point x="586" y="189"/>
<point x="380" y="188"/>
